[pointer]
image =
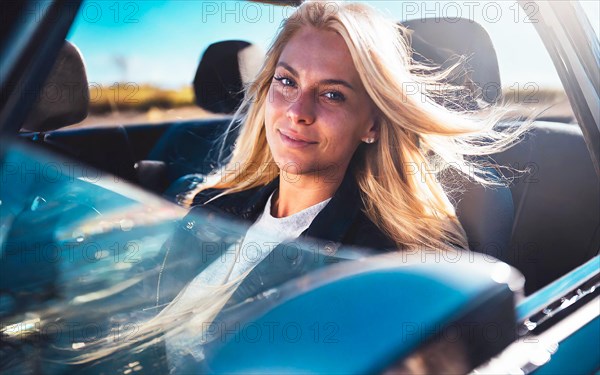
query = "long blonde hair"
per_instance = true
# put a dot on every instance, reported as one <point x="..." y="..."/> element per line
<point x="399" y="176"/>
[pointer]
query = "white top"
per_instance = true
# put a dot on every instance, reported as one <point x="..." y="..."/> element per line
<point x="261" y="238"/>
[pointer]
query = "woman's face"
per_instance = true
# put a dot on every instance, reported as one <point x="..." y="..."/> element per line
<point x="317" y="111"/>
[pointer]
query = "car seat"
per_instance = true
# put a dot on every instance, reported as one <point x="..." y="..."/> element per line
<point x="188" y="147"/>
<point x="224" y="69"/>
<point x="556" y="225"/>
<point x="64" y="98"/>
<point x="442" y="42"/>
<point x="63" y="101"/>
<point x="486" y="214"/>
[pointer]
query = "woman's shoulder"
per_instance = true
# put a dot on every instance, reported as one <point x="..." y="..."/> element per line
<point x="202" y="197"/>
<point x="179" y="189"/>
<point x="188" y="183"/>
<point x="244" y="205"/>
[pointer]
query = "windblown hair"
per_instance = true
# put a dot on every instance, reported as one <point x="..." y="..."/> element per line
<point x="400" y="176"/>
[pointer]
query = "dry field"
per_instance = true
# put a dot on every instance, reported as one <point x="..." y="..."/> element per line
<point x="128" y="104"/>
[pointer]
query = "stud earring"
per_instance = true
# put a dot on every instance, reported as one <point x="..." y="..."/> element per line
<point x="369" y="140"/>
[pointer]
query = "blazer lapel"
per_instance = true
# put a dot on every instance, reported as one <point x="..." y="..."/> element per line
<point x="288" y="260"/>
<point x="335" y="219"/>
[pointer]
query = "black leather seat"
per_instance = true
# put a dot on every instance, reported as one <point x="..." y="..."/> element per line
<point x="107" y="149"/>
<point x="224" y="69"/>
<point x="190" y="147"/>
<point x="486" y="214"/>
<point x="442" y="41"/>
<point x="556" y="225"/>
<point x="64" y="98"/>
<point x="557" y="215"/>
<point x="63" y="101"/>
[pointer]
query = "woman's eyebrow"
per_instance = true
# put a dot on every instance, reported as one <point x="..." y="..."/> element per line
<point x="325" y="81"/>
<point x="288" y="67"/>
<point x="337" y="82"/>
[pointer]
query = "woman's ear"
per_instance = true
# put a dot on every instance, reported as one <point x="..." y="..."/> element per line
<point x="372" y="133"/>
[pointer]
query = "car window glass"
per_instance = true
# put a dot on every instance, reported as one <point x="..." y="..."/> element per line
<point x="88" y="259"/>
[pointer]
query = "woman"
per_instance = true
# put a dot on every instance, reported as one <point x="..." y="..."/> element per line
<point x="330" y="147"/>
<point x="329" y="102"/>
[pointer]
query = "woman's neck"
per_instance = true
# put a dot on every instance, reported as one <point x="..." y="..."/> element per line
<point x="299" y="192"/>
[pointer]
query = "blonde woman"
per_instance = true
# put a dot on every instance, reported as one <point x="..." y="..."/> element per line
<point x="330" y="147"/>
<point x="327" y="123"/>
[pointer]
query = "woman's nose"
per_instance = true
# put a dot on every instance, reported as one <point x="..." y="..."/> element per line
<point x="301" y="108"/>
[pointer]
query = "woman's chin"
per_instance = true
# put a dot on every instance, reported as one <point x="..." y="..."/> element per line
<point x="293" y="166"/>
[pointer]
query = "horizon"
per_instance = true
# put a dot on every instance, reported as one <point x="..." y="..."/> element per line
<point x="106" y="32"/>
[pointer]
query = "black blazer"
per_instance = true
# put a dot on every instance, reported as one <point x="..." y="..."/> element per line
<point x="341" y="222"/>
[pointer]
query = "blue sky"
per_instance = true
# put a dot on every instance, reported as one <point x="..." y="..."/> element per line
<point x="161" y="42"/>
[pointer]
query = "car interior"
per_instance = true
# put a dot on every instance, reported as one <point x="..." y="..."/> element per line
<point x="544" y="224"/>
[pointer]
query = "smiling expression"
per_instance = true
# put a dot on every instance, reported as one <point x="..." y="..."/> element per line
<point x="317" y="110"/>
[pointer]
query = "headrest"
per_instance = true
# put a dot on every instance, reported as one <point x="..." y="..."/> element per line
<point x="442" y="41"/>
<point x="64" y="98"/>
<point x="224" y="69"/>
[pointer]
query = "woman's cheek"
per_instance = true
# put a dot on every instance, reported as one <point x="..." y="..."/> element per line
<point x="269" y="102"/>
<point x="272" y="110"/>
<point x="274" y="95"/>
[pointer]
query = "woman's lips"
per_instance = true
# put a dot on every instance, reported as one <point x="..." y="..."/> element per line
<point x="291" y="141"/>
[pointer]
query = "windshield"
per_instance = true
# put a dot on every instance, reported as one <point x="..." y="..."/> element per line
<point x="92" y="266"/>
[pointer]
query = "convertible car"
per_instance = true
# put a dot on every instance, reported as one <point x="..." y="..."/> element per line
<point x="87" y="213"/>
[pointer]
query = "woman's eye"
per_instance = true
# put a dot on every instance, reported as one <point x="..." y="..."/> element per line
<point x="285" y="81"/>
<point x="335" y="96"/>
